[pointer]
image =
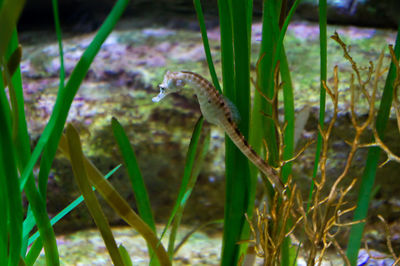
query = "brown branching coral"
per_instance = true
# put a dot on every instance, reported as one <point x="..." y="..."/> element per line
<point x="321" y="220"/>
<point x="270" y="228"/>
<point x="396" y="104"/>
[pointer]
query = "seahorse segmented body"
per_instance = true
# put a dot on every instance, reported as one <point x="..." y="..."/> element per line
<point x="216" y="110"/>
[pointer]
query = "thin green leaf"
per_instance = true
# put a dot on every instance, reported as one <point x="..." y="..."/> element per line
<point x="135" y="176"/>
<point x="45" y="163"/>
<point x="34" y="252"/>
<point x="190" y="158"/>
<point x="322" y="94"/>
<point x="282" y="33"/>
<point x="288" y="138"/>
<point x="199" y="153"/>
<point x="200" y="17"/>
<point x="194" y="230"/>
<point x="21" y="137"/>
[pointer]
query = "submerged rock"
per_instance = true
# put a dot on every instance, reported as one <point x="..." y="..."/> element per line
<point x="123" y="79"/>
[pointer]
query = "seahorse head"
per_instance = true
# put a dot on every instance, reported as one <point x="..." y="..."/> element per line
<point x="173" y="82"/>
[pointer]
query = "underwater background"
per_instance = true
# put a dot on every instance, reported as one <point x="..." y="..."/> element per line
<point x="69" y="117"/>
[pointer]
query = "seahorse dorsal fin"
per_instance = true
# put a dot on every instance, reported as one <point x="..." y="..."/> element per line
<point x="233" y="110"/>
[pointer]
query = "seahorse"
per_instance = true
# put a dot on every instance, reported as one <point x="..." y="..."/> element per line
<point x="218" y="111"/>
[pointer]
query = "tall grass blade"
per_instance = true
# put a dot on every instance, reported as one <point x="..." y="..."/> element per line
<point x="322" y="93"/>
<point x="20" y="136"/>
<point x="44" y="164"/>
<point x="197" y="152"/>
<point x="12" y="232"/>
<point x="233" y="14"/>
<point x="53" y="130"/>
<point x="265" y="128"/>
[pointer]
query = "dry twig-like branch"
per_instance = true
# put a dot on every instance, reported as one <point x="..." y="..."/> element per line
<point x="322" y="222"/>
<point x="388" y="237"/>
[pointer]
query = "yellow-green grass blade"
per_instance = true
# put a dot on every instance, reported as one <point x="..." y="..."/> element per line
<point x="79" y="170"/>
<point x="368" y="178"/>
<point x="121" y="207"/>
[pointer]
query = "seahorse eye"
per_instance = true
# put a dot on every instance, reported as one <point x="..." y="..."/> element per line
<point x="180" y="83"/>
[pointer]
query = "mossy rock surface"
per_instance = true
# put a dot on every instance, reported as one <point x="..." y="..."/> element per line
<point x="122" y="81"/>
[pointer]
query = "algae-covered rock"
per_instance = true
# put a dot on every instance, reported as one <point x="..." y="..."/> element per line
<point x="123" y="79"/>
